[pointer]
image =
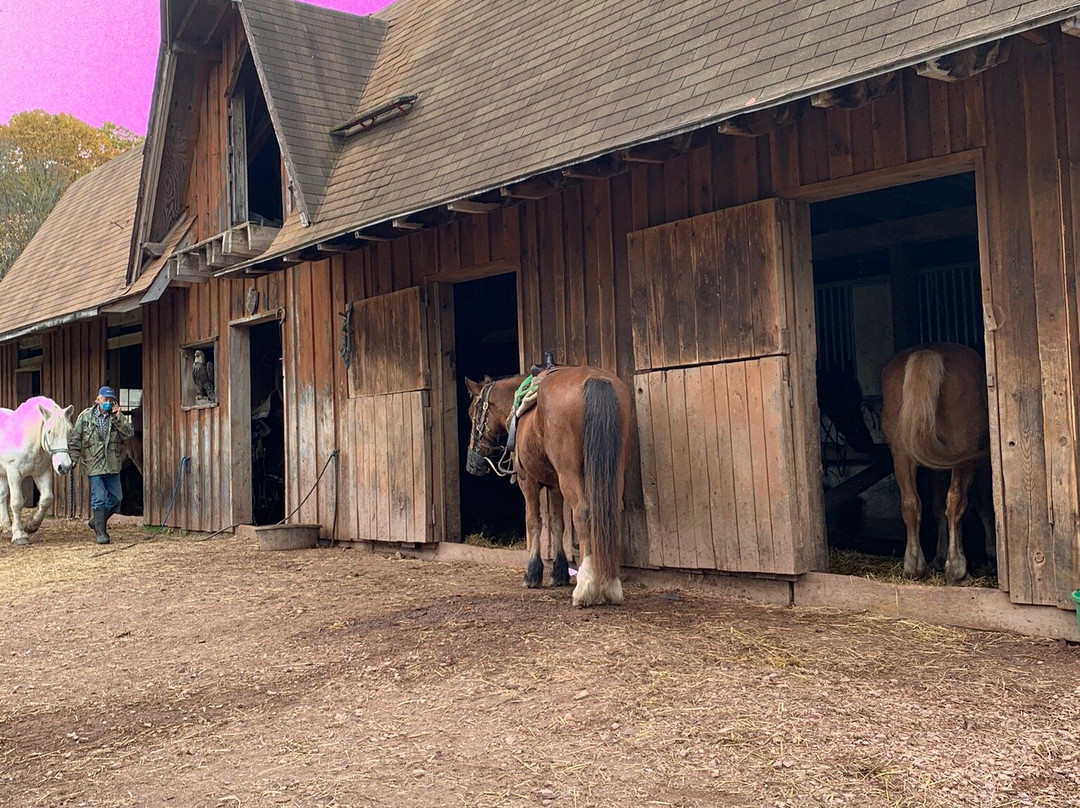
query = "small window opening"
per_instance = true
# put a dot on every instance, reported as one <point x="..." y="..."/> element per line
<point x="255" y="157"/>
<point x="198" y="376"/>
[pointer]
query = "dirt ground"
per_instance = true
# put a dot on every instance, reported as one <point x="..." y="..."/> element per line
<point x="167" y="671"/>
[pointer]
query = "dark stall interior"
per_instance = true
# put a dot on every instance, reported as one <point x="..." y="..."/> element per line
<point x="893" y="268"/>
<point x="486" y="344"/>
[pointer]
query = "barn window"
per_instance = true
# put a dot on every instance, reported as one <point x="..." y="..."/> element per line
<point x="198" y="375"/>
<point x="254" y="159"/>
<point x="30" y="353"/>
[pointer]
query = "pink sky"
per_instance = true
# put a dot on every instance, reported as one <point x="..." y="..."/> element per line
<point x="94" y="59"/>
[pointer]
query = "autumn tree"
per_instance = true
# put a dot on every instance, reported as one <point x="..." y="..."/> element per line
<point x="40" y="156"/>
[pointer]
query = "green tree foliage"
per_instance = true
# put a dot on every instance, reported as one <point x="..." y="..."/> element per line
<point x="40" y="156"/>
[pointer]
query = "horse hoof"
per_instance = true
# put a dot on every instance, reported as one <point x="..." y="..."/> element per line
<point x="560" y="572"/>
<point x="534" y="573"/>
<point x="21" y="541"/>
<point x="957" y="574"/>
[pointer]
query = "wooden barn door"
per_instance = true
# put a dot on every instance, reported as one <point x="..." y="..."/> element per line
<point x="724" y="350"/>
<point x="387" y="418"/>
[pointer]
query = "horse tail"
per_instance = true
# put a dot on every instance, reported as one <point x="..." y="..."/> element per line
<point x="924" y="373"/>
<point x="602" y="450"/>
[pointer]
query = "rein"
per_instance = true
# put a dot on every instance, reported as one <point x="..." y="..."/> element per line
<point x="504" y="466"/>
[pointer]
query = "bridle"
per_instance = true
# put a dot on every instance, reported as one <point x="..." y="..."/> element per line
<point x="480" y="446"/>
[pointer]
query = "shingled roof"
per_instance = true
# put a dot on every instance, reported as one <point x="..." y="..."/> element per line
<point x="314" y="63"/>
<point x="511" y="89"/>
<point x="77" y="260"/>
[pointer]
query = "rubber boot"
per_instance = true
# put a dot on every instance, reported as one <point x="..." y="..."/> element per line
<point x="100" y="536"/>
<point x="109" y="512"/>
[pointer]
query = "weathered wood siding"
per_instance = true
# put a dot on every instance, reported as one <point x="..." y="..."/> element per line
<point x="1022" y="121"/>
<point x="724" y="344"/>
<point x="9" y="364"/>
<point x="72" y="370"/>
<point x="208" y="187"/>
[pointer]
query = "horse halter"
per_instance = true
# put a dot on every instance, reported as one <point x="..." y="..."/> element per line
<point x="45" y="442"/>
<point x="479" y="447"/>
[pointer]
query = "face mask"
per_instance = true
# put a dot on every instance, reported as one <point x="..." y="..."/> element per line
<point x="106" y="406"/>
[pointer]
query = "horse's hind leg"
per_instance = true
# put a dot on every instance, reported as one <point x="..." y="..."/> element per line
<point x="534" y="571"/>
<point x="45" y="500"/>
<point x="955" y="505"/>
<point x="911" y="509"/>
<point x="560" y="568"/>
<point x="5" y="508"/>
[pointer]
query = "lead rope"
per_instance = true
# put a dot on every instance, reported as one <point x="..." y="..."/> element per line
<point x="504" y="467"/>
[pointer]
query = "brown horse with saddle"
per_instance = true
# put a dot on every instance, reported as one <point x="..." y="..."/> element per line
<point x="571" y="433"/>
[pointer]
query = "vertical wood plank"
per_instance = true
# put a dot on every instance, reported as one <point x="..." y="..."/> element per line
<point x="667" y="535"/>
<point x="699" y="417"/>
<point x="940" y="136"/>
<point x="649" y="490"/>
<point x="717" y="440"/>
<point x="917" y="116"/>
<point x="738" y="408"/>
<point x="765" y="540"/>
<point x="1018" y="378"/>
<point x="839" y="132"/>
<point x="1056" y="322"/>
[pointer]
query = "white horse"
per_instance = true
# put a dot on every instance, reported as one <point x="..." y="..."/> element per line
<point x="33" y="443"/>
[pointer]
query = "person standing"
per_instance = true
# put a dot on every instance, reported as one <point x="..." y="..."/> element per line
<point x="96" y="443"/>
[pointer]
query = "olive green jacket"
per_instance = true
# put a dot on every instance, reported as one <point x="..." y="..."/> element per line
<point x="98" y="454"/>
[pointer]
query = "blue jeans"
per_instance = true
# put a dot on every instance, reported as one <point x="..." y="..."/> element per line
<point x="105" y="492"/>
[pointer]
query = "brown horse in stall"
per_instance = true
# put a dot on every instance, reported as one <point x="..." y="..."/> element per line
<point x="573" y="442"/>
<point x="934" y="414"/>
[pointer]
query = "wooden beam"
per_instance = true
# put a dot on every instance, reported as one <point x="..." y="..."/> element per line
<point x="966" y="63"/>
<point x="124" y="341"/>
<point x="857" y="94"/>
<point x="155" y="249"/>
<point x="175" y="276"/>
<point x="537" y="187"/>
<point x="403" y="223"/>
<point x="204" y="53"/>
<point x="248" y="240"/>
<point x="360" y="234"/>
<point x="601" y="168"/>
<point x="653" y="153"/>
<point x="472" y="206"/>
<point x="660" y="151"/>
<point x="928" y="169"/>
<point x="192" y="262"/>
<point x="337" y="246"/>
<point x="477" y="271"/>
<point x="1071" y="26"/>
<point x="854" y="485"/>
<point x="762" y="121"/>
<point x="217" y="258"/>
<point x="928" y="227"/>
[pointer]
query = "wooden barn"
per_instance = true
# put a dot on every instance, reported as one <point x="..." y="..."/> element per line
<point x="713" y="200"/>
<point x="69" y="320"/>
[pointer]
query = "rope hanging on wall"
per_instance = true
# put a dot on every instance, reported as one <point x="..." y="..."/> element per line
<point x="346" y="335"/>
